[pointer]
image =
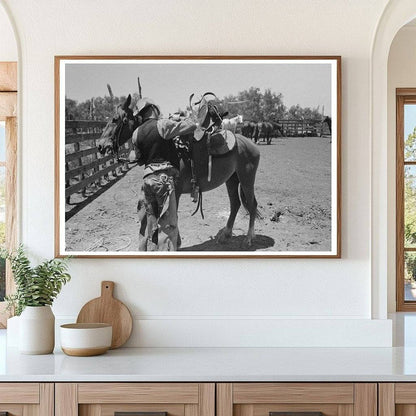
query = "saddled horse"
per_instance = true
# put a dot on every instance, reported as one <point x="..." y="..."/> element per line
<point x="237" y="168"/>
<point x="232" y="123"/>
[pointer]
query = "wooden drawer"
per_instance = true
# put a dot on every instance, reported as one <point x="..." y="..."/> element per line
<point x="397" y="399"/>
<point x="331" y="399"/>
<point x="105" y="399"/>
<point x="27" y="399"/>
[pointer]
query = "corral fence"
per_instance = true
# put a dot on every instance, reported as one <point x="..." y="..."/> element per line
<point x="85" y="168"/>
<point x="304" y="128"/>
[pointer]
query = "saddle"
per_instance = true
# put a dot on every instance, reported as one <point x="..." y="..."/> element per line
<point x="209" y="116"/>
<point x="220" y="142"/>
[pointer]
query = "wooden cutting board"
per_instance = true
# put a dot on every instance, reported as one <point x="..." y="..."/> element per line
<point x="107" y="309"/>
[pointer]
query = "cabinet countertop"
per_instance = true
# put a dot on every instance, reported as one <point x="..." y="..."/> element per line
<point x="213" y="365"/>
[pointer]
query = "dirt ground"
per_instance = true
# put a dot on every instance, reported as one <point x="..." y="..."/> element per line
<point x="293" y="190"/>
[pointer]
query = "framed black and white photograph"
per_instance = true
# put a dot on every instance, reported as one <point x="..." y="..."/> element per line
<point x="198" y="156"/>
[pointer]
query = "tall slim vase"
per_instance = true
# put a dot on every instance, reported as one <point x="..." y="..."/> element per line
<point x="37" y="330"/>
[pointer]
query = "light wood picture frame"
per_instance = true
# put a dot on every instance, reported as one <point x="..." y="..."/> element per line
<point x="293" y="104"/>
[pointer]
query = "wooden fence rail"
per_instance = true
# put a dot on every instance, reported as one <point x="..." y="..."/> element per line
<point x="84" y="165"/>
<point x="309" y="127"/>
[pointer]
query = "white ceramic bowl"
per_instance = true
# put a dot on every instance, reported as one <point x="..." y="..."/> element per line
<point x="83" y="340"/>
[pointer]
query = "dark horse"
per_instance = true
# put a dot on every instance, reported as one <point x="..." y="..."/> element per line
<point x="328" y="122"/>
<point x="249" y="129"/>
<point x="264" y="131"/>
<point x="237" y="168"/>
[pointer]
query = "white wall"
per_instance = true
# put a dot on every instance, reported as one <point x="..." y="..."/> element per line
<point x="181" y="301"/>
<point x="401" y="74"/>
<point x="8" y="47"/>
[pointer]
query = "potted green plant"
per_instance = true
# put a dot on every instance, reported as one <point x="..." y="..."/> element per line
<point x="36" y="289"/>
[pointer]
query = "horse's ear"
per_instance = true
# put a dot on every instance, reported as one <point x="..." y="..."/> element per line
<point x="126" y="105"/>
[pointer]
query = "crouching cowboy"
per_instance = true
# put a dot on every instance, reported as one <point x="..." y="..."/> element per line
<point x="156" y="150"/>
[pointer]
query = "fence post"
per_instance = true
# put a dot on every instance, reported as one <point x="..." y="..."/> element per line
<point x="95" y="158"/>
<point x="85" y="165"/>
<point x="77" y="148"/>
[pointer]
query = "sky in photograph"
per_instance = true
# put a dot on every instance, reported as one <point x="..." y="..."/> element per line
<point x="170" y="84"/>
<point x="409" y="119"/>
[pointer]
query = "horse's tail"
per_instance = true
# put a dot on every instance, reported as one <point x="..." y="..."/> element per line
<point x="243" y="200"/>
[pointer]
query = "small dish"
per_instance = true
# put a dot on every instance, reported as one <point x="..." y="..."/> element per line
<point x="85" y="340"/>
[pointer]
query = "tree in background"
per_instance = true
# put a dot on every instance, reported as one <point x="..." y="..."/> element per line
<point x="2" y="239"/>
<point x="247" y="103"/>
<point x="2" y="204"/>
<point x="252" y="104"/>
<point x="75" y="110"/>
<point x="410" y="205"/>
<point x="103" y="107"/>
<point x="273" y="108"/>
<point x="296" y="112"/>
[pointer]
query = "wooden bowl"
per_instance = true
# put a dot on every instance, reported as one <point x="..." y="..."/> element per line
<point x="84" y="340"/>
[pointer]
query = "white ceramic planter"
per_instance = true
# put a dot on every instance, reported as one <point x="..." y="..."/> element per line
<point x="13" y="331"/>
<point x="37" y="330"/>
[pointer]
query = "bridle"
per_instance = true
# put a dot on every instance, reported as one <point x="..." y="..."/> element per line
<point x="123" y="122"/>
<point x="117" y="135"/>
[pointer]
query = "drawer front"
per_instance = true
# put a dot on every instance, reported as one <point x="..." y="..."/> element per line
<point x="143" y="399"/>
<point x="138" y="393"/>
<point x="397" y="399"/>
<point x="19" y="393"/>
<point x="296" y="399"/>
<point x="26" y="399"/>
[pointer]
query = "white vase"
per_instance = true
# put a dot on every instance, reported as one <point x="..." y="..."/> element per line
<point x="13" y="331"/>
<point x="37" y="330"/>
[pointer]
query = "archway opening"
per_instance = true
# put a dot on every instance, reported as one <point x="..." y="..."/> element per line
<point x="401" y="124"/>
<point x="383" y="213"/>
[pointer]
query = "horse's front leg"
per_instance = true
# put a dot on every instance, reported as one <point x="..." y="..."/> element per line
<point x="232" y="189"/>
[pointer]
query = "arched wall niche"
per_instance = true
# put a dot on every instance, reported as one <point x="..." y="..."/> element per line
<point x="396" y="15"/>
<point x="401" y="73"/>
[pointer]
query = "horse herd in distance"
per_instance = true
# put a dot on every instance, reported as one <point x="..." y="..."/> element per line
<point x="266" y="130"/>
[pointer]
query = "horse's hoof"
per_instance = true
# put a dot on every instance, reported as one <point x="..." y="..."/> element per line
<point x="223" y="235"/>
<point x="248" y="241"/>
